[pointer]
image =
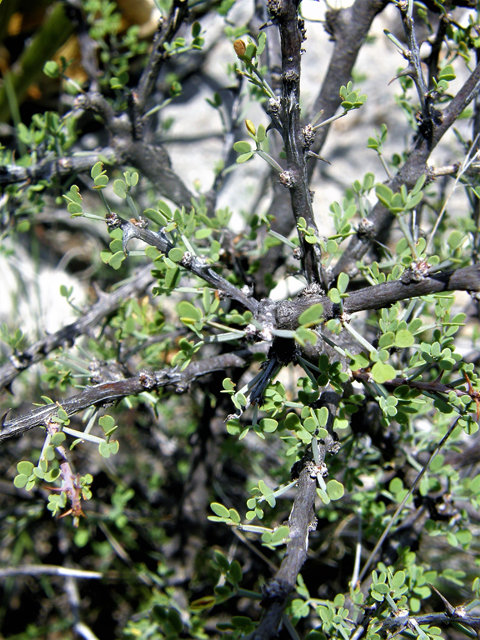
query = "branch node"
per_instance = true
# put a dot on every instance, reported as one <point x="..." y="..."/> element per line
<point x="273" y="108"/>
<point x="147" y="379"/>
<point x="275" y="8"/>
<point x="416" y="272"/>
<point x="366" y="229"/>
<point x="291" y="76"/>
<point x="309" y="136"/>
<point x="113" y="220"/>
<point x="287" y="179"/>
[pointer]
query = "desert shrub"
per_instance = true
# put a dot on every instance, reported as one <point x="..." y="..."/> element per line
<point x="262" y="419"/>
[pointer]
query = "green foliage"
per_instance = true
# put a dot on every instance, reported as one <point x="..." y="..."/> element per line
<point x="373" y="411"/>
<point x="351" y="98"/>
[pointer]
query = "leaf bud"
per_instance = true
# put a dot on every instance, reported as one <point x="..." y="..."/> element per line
<point x="250" y="127"/>
<point x="240" y="47"/>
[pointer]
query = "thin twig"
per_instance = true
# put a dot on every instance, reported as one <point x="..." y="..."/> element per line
<point x="406" y="498"/>
<point x="48" y="570"/>
<point x="467" y="162"/>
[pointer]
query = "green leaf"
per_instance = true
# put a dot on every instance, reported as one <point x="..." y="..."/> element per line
<point x="113" y="446"/>
<point x="116" y="246"/>
<point x="303" y="335"/>
<point x="292" y="422"/>
<point x="107" y="423"/>
<point x="262" y="39"/>
<point x="116" y="260"/>
<point x="105" y="256"/>
<point x="38" y="472"/>
<point x="384" y="194"/>
<point x="334" y="295"/>
<point x="96" y="170"/>
<point x="52" y="475"/>
<point x="464" y="536"/>
<point x="398" y="579"/>
<point x="57" y="439"/>
<point x="312" y="316"/>
<point x="382" y="372"/>
<point x="101" y="182"/>
<point x="188" y="310"/>
<point x="220" y="510"/>
<point x="20" y="481"/>
<point x="280" y="534"/>
<point x="196" y="29"/>
<point x="201" y="234"/>
<point x="342" y="282"/>
<point x="24" y="467"/>
<point x="175" y="254"/>
<point x="360" y="361"/>
<point x="456" y="239"/>
<point x="269" y="425"/>
<point x="156" y="217"/>
<point x="172" y="277"/>
<point x="404" y="339"/>
<point x="120" y="188"/>
<point x="244" y="157"/>
<point x="447" y="73"/>
<point x="418" y="185"/>
<point x="242" y="147"/>
<point x="104" y="449"/>
<point x="234" y="515"/>
<point x="51" y="69"/>
<point x="235" y="571"/>
<point x="380" y="587"/>
<point x="165" y="209"/>
<point x="335" y="490"/>
<point x="74" y="208"/>
<point x="332" y="246"/>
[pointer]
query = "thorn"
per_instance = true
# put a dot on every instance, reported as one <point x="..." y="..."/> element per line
<point x="409" y="71"/>
<point x="311" y="154"/>
<point x="317" y="117"/>
<point x="266" y="25"/>
<point x="7" y="411"/>
<point x="448" y="607"/>
<point x="98" y="292"/>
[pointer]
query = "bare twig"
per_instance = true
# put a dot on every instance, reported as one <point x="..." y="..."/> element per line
<point x="285" y="14"/>
<point x="413" y="54"/>
<point x="404" y="501"/>
<point x="166" y="31"/>
<point x="194" y="264"/>
<point x="108" y="392"/>
<point x="48" y="570"/>
<point x="459" y="616"/>
<point x="53" y="167"/>
<point x="381" y="218"/>
<point x="426" y="387"/>
<point x="67" y="335"/>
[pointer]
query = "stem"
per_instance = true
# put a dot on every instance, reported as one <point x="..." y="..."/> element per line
<point x="404" y="501"/>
